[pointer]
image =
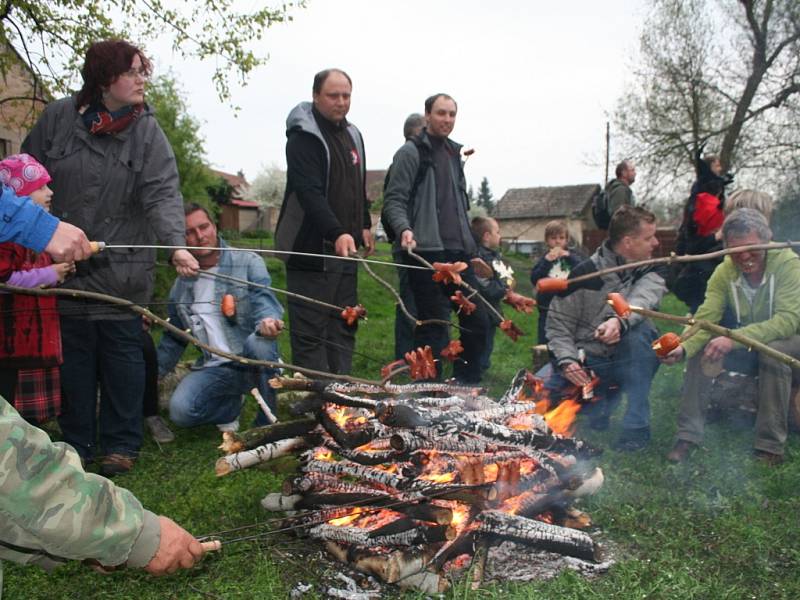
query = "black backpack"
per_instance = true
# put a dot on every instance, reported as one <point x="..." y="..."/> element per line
<point x="424" y="163"/>
<point x="600" y="213"/>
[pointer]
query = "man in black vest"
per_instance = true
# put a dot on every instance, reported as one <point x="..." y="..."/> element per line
<point x="325" y="211"/>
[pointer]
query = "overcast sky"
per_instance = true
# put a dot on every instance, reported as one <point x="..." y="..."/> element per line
<point x="534" y="82"/>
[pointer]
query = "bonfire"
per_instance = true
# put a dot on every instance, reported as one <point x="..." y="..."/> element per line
<point x="409" y="482"/>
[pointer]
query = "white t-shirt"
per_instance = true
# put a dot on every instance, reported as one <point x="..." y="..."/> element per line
<point x="206" y="313"/>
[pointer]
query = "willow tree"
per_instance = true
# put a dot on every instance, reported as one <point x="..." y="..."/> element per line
<point x="726" y="73"/>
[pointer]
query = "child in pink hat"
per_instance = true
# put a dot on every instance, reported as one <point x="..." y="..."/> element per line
<point x="30" y="342"/>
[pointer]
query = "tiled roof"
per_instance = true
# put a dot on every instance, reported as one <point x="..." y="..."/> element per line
<point x="536" y="202"/>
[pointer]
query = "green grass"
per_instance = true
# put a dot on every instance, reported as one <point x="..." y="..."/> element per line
<point x="721" y="526"/>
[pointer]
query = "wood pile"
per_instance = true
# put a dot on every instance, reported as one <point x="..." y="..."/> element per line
<point x="405" y="481"/>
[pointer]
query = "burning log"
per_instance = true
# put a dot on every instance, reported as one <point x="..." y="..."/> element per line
<point x="267" y="452"/>
<point x="314" y="482"/>
<point x="542" y="535"/>
<point x="361" y="537"/>
<point x="355" y="470"/>
<point x="258" y="436"/>
<point x="408" y="441"/>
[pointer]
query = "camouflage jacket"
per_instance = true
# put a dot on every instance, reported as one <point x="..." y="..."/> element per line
<point x="51" y="510"/>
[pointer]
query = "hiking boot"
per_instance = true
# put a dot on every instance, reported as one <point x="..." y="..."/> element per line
<point x="633" y="440"/>
<point x="768" y="458"/>
<point x="115" y="464"/>
<point x="680" y="451"/>
<point x="159" y="429"/>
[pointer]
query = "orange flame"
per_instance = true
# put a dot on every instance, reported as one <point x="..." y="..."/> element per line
<point x="562" y="418"/>
<point x="323" y="454"/>
<point x="345" y="520"/>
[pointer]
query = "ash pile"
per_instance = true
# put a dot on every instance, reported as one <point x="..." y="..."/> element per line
<point x="413" y="484"/>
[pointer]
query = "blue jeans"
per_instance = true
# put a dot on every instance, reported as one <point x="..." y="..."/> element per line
<point x="214" y="394"/>
<point x="109" y="352"/>
<point x="629" y="370"/>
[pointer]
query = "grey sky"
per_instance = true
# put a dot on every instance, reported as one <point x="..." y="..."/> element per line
<point x="533" y="80"/>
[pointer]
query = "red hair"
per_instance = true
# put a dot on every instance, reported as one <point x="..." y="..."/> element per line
<point x="105" y="62"/>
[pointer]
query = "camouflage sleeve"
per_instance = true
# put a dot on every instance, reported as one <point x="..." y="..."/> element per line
<point x="51" y="509"/>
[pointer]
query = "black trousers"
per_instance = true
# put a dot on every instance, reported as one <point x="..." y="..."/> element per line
<point x="320" y="338"/>
<point x="433" y="302"/>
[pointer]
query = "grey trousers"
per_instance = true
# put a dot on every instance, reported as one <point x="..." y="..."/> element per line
<point x="774" y="388"/>
<point x="320" y="338"/>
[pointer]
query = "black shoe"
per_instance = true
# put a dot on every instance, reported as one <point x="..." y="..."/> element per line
<point x="633" y="440"/>
<point x="600" y="423"/>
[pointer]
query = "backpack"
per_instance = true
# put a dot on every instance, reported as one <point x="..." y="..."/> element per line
<point x="424" y="163"/>
<point x="600" y="213"/>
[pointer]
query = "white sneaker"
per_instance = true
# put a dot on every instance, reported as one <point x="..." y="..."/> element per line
<point x="233" y="426"/>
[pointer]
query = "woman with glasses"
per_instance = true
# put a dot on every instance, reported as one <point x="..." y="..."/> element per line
<point x="115" y="177"/>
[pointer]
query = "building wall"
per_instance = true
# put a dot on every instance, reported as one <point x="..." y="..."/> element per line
<point x="17" y="116"/>
<point x="533" y="229"/>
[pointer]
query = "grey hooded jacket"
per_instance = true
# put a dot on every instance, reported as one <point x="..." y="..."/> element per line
<point x="119" y="189"/>
<point x="572" y="319"/>
<point x="421" y="214"/>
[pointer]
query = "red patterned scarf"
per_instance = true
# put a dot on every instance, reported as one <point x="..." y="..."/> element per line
<point x="101" y="121"/>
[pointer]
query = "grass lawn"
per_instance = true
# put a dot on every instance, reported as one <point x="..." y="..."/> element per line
<point x="721" y="526"/>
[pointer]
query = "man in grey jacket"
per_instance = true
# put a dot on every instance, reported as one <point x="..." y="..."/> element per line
<point x="426" y="205"/>
<point x="619" y="189"/>
<point x="586" y="337"/>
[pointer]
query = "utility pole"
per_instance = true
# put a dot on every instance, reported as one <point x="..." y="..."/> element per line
<point x="608" y="149"/>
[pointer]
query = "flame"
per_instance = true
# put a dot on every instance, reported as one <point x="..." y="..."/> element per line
<point x="542" y="406"/>
<point x="323" y="454"/>
<point x="490" y="472"/>
<point x="515" y="503"/>
<point x="345" y="520"/>
<point x="345" y="418"/>
<point x="439" y="477"/>
<point x="527" y="466"/>
<point x="460" y="515"/>
<point x="562" y="418"/>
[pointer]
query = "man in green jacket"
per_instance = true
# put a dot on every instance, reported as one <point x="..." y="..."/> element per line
<point x="762" y="290"/>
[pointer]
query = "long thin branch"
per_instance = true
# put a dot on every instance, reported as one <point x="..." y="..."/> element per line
<point x="179" y="332"/>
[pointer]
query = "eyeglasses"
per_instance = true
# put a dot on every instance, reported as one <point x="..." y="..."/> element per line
<point x="134" y="73"/>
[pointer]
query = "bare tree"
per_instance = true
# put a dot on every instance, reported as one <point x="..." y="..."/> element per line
<point x="726" y="73"/>
<point x="52" y="35"/>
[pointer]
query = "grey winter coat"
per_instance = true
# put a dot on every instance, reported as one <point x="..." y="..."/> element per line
<point x="423" y="218"/>
<point x="120" y="189"/>
<point x="572" y="319"/>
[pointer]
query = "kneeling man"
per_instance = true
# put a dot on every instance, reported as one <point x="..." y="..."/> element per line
<point x="762" y="290"/>
<point x="582" y="324"/>
<point x="212" y="391"/>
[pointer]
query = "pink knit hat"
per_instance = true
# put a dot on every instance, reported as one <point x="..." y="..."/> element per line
<point x="23" y="174"/>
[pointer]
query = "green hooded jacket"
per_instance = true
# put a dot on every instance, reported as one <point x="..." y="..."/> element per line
<point x="775" y="311"/>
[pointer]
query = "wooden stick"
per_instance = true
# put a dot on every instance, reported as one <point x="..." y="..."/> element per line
<point x="734" y="334"/>
<point x="212" y="546"/>
<point x="248" y="458"/>
<point x="263" y="405"/>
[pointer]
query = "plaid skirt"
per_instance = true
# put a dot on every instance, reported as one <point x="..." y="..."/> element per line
<point x="38" y="395"/>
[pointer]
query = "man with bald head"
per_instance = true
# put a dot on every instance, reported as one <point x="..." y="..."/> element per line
<point x="325" y="211"/>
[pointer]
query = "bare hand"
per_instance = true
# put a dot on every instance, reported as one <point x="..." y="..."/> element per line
<point x="481" y="268"/>
<point x="178" y="549"/>
<point x="185" y="264"/>
<point x="64" y="270"/>
<point x="717" y="348"/>
<point x="369" y="242"/>
<point x="270" y="327"/>
<point x="674" y="357"/>
<point x="576" y="374"/>
<point x="407" y="239"/>
<point x="68" y="243"/>
<point x="345" y="245"/>
<point x="608" y="332"/>
<point x="556" y="253"/>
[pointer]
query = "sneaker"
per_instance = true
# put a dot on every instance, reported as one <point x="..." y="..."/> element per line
<point x="232" y="427"/>
<point x="768" y="458"/>
<point x="159" y="429"/>
<point x="115" y="464"/>
<point x="680" y="451"/>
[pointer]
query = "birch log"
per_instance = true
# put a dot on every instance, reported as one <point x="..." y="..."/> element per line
<point x="248" y="458"/>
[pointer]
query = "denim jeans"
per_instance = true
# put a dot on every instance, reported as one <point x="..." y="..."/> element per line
<point x="629" y="370"/>
<point x="213" y="395"/>
<point x="109" y="352"/>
